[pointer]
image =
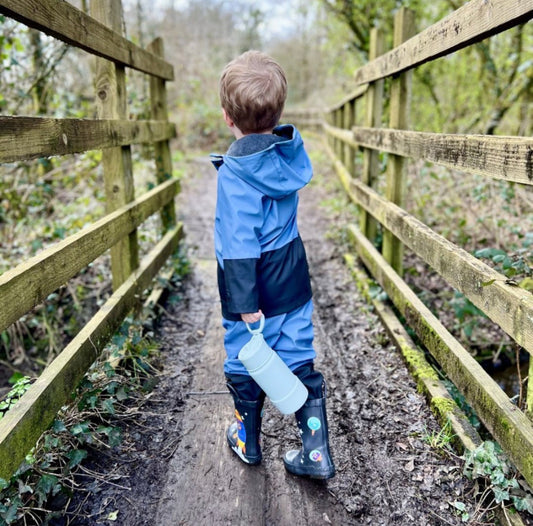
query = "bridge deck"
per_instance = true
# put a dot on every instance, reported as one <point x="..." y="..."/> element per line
<point x="386" y="472"/>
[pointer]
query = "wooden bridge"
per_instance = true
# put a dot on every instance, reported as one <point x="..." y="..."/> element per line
<point x="505" y="158"/>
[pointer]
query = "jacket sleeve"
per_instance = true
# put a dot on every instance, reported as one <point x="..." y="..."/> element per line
<point x="240" y="213"/>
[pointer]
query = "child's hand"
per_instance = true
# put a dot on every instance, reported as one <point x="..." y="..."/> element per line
<point x="251" y="317"/>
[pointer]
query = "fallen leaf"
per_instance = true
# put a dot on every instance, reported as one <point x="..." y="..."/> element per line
<point x="410" y="466"/>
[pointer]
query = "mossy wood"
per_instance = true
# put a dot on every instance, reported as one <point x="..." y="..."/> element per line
<point x="499" y="157"/>
<point x="400" y="94"/>
<point x="474" y="21"/>
<point x="373" y="113"/>
<point x="163" y="159"/>
<point x="509" y="306"/>
<point x="110" y="84"/>
<point x="23" y="424"/>
<point x="23" y="138"/>
<point x="428" y="381"/>
<point x="65" y="22"/>
<point x="510" y="426"/>
<point x="31" y="282"/>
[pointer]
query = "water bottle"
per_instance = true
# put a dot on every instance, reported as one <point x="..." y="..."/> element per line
<point x="280" y="384"/>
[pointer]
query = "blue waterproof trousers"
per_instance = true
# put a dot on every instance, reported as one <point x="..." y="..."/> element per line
<point x="290" y="335"/>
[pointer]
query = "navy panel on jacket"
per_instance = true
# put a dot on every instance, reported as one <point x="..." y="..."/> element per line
<point x="276" y="283"/>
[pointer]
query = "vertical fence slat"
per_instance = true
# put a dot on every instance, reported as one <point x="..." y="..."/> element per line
<point x="351" y="109"/>
<point x="163" y="158"/>
<point x="374" y="103"/>
<point x="110" y="84"/>
<point x="404" y="28"/>
<point x="529" y="394"/>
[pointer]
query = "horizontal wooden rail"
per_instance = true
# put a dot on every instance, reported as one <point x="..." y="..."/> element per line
<point x="499" y="157"/>
<point x="65" y="22"/>
<point x="509" y="306"/>
<point x="23" y="424"/>
<point x="476" y="20"/>
<point x="511" y="428"/>
<point x="343" y="135"/>
<point x="31" y="282"/>
<point x="23" y="138"/>
<point x="505" y="158"/>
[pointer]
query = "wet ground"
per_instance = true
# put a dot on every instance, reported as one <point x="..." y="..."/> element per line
<point x="175" y="468"/>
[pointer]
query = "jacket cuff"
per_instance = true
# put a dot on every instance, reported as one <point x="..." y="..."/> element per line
<point x="240" y="277"/>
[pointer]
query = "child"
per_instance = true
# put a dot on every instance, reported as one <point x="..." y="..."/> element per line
<point x="262" y="266"/>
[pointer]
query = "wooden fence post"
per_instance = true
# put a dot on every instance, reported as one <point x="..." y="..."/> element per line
<point x="110" y="85"/>
<point x="374" y="110"/>
<point x="529" y="393"/>
<point x="339" y="146"/>
<point x="349" y="122"/>
<point x="400" y="98"/>
<point x="163" y="159"/>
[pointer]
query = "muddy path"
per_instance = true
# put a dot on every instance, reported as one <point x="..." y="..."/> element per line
<point x="175" y="467"/>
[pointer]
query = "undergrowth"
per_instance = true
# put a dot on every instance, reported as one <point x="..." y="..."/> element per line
<point x="109" y="396"/>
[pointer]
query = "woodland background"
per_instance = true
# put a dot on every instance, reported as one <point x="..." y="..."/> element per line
<point x="319" y="43"/>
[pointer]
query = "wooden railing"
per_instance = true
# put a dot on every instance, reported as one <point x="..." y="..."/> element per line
<point x="506" y="158"/>
<point x="22" y="138"/>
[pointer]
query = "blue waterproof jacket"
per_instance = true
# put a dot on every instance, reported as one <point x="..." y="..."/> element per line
<point x="261" y="258"/>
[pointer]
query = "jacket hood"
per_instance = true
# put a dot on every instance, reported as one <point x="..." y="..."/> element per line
<point x="276" y="171"/>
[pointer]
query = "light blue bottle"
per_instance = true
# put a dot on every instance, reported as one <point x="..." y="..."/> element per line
<point x="280" y="384"/>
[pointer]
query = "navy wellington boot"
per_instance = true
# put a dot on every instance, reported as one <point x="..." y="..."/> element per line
<point x="243" y="434"/>
<point x="314" y="459"/>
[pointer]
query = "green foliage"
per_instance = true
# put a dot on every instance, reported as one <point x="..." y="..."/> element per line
<point x="102" y="402"/>
<point x="20" y="386"/>
<point x="488" y="463"/>
<point x="466" y="313"/>
<point x="512" y="263"/>
<point x="440" y="440"/>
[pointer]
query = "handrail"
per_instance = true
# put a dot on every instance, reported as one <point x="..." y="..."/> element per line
<point x="476" y="20"/>
<point x="65" y="22"/>
<point x="499" y="157"/>
<point x="22" y="138"/>
<point x="42" y="136"/>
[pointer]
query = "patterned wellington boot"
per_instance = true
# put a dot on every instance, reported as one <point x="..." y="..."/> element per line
<point x="314" y="459"/>
<point x="243" y="434"/>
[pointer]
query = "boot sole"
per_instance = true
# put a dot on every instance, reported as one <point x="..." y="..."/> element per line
<point x="324" y="475"/>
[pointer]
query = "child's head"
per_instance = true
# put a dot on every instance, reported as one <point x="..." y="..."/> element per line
<point x="253" y="89"/>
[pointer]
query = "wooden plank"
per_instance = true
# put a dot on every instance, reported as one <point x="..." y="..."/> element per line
<point x="163" y="159"/>
<point x="345" y="136"/>
<point x="476" y="20"/>
<point x="510" y="426"/>
<point x="65" y="22"/>
<point x="349" y="122"/>
<point x="499" y="157"/>
<point x="23" y="138"/>
<point x="31" y="282"/>
<point x="112" y="103"/>
<point x="23" y="424"/>
<point x="400" y="95"/>
<point x="509" y="306"/>
<point x="427" y="379"/>
<point x="374" y="110"/>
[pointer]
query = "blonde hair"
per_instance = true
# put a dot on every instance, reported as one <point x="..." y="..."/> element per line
<point x="253" y="89"/>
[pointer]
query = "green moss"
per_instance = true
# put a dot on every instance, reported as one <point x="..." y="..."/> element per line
<point x="443" y="405"/>
<point x="417" y="363"/>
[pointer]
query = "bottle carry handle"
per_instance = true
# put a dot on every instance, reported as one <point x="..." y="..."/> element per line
<point x="261" y="326"/>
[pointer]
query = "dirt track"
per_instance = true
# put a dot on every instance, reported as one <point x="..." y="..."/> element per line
<point x="183" y="472"/>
